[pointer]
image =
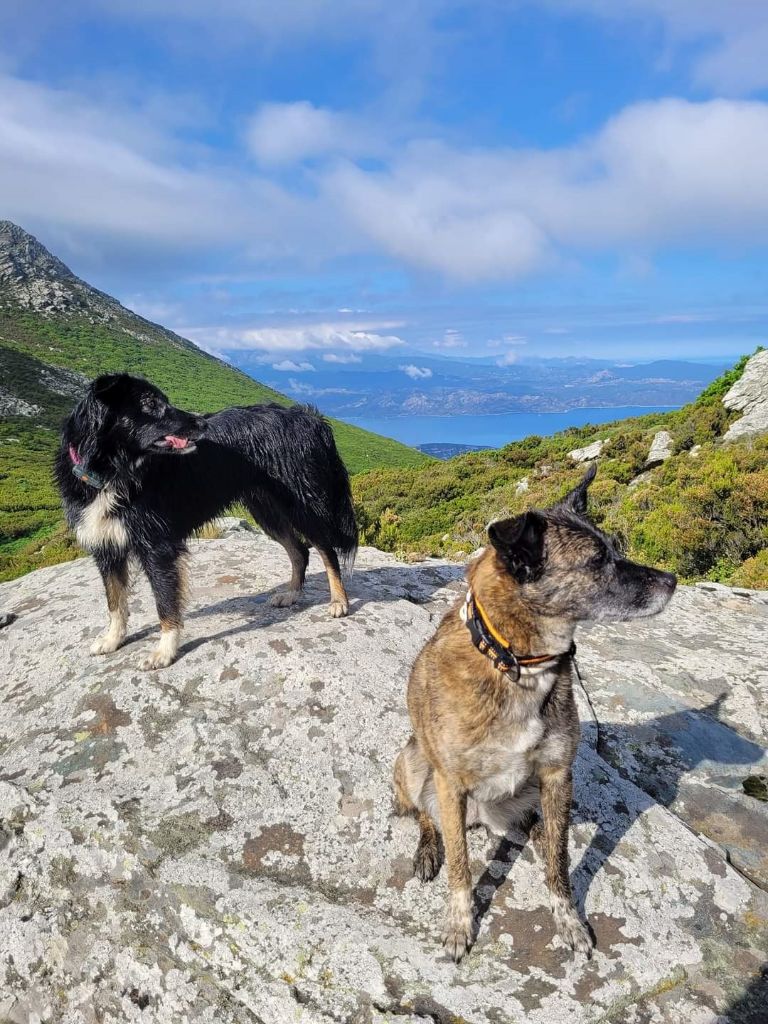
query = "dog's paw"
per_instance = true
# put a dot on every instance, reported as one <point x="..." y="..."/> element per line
<point x="458" y="932"/>
<point x="457" y="938"/>
<point x="284" y="598"/>
<point x="571" y="930"/>
<point x="157" y="659"/>
<point x="339" y="609"/>
<point x="427" y="860"/>
<point x="106" y="644"/>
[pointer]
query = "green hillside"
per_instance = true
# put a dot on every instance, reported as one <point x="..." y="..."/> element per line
<point x="33" y="346"/>
<point x="192" y="378"/>
<point x="703" y="513"/>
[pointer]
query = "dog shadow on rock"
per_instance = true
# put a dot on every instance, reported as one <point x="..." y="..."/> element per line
<point x="416" y="584"/>
<point x="751" y="1007"/>
<point x="689" y="737"/>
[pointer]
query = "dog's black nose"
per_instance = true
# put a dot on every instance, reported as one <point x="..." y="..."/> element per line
<point x="668" y="579"/>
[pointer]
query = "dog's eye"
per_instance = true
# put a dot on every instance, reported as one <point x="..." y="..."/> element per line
<point x="152" y="407"/>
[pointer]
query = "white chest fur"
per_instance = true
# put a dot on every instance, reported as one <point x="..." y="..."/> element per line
<point x="506" y="759"/>
<point x="99" y="526"/>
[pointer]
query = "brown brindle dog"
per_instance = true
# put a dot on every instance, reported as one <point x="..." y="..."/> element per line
<point x="491" y="699"/>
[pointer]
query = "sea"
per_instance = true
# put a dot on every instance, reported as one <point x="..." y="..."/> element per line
<point x="491" y="431"/>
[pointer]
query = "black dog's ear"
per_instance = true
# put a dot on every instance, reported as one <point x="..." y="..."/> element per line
<point x="520" y="542"/>
<point x="94" y="413"/>
<point x="576" y="500"/>
<point x="105" y="387"/>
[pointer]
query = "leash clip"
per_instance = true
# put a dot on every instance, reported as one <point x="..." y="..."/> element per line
<point x="87" y="476"/>
<point x="81" y="471"/>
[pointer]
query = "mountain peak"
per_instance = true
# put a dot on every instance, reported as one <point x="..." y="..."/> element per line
<point x="35" y="279"/>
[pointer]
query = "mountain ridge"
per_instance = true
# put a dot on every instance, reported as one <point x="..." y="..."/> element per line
<point x="418" y="384"/>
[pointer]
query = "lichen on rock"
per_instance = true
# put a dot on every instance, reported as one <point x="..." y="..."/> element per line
<point x="215" y="842"/>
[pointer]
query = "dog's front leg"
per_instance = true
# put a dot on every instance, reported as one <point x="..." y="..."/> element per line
<point x="166" y="569"/>
<point x="556" y="795"/>
<point x="457" y="935"/>
<point x="113" y="566"/>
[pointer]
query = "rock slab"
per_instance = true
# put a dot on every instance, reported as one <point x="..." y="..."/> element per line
<point x="214" y="842"/>
<point x="661" y="448"/>
<point x="749" y="395"/>
<point x="588" y="453"/>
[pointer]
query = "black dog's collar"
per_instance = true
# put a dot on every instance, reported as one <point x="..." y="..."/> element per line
<point x="82" y="472"/>
<point x="493" y="645"/>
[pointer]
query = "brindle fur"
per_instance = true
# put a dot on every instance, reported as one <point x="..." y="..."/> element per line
<point x="486" y="749"/>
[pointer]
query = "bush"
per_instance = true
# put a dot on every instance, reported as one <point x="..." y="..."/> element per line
<point x="753" y="573"/>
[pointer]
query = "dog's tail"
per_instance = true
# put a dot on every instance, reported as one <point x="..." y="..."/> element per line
<point x="342" y="523"/>
<point x="324" y="492"/>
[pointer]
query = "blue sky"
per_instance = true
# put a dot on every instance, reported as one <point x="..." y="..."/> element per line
<point x="556" y="177"/>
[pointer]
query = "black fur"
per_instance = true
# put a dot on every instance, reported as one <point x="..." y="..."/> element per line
<point x="281" y="463"/>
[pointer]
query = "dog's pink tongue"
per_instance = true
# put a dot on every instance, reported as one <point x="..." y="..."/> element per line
<point x="176" y="442"/>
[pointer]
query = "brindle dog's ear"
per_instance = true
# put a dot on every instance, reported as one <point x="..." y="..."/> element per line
<point x="520" y="542"/>
<point x="576" y="500"/>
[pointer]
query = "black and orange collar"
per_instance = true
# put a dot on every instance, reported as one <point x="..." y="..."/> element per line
<point x="494" y="646"/>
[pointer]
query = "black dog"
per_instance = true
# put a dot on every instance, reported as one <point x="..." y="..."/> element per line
<point x="137" y="477"/>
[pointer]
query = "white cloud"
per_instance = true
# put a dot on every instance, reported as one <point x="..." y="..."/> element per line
<point x="101" y="182"/>
<point x="285" y="133"/>
<point x="108" y="183"/>
<point x="292" y="365"/>
<point x="434" y="215"/>
<point x="335" y="357"/>
<point x="416" y="372"/>
<point x="347" y="337"/>
<point x="508" y="359"/>
<point x="450" y="339"/>
<point x="665" y="172"/>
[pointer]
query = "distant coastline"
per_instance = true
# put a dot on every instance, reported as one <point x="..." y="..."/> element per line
<point x="491" y="430"/>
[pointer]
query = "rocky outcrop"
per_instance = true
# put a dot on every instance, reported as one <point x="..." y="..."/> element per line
<point x="749" y="395"/>
<point x="591" y="451"/>
<point x="12" y="405"/>
<point x="661" y="448"/>
<point x="32" y="388"/>
<point x="215" y="843"/>
<point x="33" y="279"/>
